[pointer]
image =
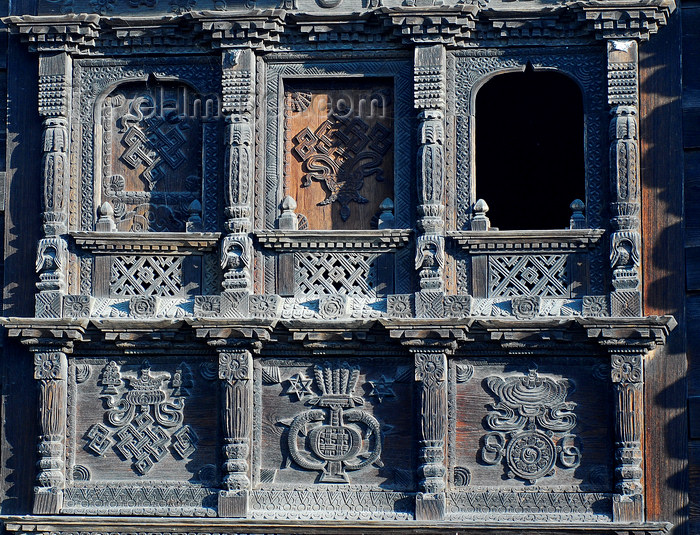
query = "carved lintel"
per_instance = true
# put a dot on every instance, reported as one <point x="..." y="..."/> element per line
<point x="235" y="368"/>
<point x="257" y="28"/>
<point x="627" y="374"/>
<point x="50" y="371"/>
<point x="431" y="374"/>
<point x="54" y="33"/>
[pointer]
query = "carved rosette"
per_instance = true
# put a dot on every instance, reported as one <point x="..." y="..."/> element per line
<point x="238" y="103"/>
<point x="430" y="369"/>
<point x="51" y="371"/>
<point x="235" y="366"/>
<point x="627" y="374"/>
<point x="625" y="240"/>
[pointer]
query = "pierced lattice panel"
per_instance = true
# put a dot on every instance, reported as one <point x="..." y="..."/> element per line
<point x="335" y="273"/>
<point x="543" y="275"/>
<point x="146" y="275"/>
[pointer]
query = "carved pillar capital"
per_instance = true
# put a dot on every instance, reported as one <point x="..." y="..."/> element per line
<point x="235" y="373"/>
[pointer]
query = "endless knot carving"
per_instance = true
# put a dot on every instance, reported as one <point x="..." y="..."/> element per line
<point x="529" y="415"/>
<point x="98" y="439"/>
<point x="335" y="273"/>
<point x="543" y="275"/>
<point x="143" y="442"/>
<point x="141" y="415"/>
<point x="146" y="275"/>
<point x="152" y="141"/>
<point x="342" y="152"/>
<point x="336" y="437"/>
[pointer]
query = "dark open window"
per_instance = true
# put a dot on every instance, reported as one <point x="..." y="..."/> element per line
<point x="529" y="149"/>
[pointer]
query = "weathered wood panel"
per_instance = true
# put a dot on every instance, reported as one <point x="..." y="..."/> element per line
<point x="662" y="201"/>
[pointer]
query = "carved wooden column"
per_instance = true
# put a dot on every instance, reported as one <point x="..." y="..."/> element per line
<point x="431" y="372"/>
<point x="429" y="87"/>
<point x="628" y="382"/>
<point x="50" y="370"/>
<point x="238" y="102"/>
<point x="625" y="242"/>
<point x="54" y="103"/>
<point x="235" y="372"/>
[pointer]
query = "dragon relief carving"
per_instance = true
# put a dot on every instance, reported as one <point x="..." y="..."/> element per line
<point x="145" y="420"/>
<point x="530" y="426"/>
<point x="335" y="437"/>
<point x="342" y="153"/>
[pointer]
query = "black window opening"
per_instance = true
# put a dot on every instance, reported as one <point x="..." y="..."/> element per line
<point x="529" y="149"/>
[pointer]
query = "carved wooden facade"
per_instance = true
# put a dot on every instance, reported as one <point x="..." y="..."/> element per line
<point x="269" y="298"/>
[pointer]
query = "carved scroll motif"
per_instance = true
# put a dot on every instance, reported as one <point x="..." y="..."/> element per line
<point x="336" y="437"/>
<point x="151" y="163"/>
<point x="342" y="153"/>
<point x="531" y="424"/>
<point x="144" y="417"/>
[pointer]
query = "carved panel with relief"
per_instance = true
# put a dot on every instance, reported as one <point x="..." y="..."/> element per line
<point x="152" y="156"/>
<point x="142" y="439"/>
<point x="339" y="427"/>
<point x="529" y="434"/>
<point x="339" y="151"/>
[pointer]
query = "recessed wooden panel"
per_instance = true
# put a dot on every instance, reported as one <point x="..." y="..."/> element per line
<point x="339" y="432"/>
<point x="151" y="168"/>
<point x="531" y="436"/>
<point x="339" y="151"/>
<point x="142" y="437"/>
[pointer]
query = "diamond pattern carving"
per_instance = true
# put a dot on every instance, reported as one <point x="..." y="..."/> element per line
<point x="543" y="275"/>
<point x="146" y="275"/>
<point x="335" y="273"/>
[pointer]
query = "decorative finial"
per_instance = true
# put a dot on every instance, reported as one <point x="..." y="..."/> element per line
<point x="578" y="220"/>
<point x="386" y="218"/>
<point x="194" y="222"/>
<point x="288" y="219"/>
<point x="105" y="223"/>
<point x="480" y="221"/>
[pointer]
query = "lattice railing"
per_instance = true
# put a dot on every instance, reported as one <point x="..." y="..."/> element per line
<point x="146" y="275"/>
<point x="320" y="273"/>
<point x="543" y="275"/>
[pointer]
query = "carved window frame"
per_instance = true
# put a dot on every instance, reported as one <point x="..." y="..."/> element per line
<point x="273" y="70"/>
<point x="468" y="71"/>
<point x="94" y="80"/>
